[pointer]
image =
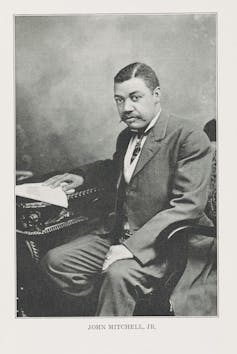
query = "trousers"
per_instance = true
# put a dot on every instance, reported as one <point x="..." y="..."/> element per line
<point x="76" y="267"/>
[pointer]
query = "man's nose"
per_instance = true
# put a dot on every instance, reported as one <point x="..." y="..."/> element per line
<point x="128" y="107"/>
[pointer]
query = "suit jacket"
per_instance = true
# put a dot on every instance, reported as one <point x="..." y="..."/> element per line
<point x="169" y="186"/>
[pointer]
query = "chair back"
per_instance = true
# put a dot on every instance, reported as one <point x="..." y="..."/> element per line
<point x="211" y="203"/>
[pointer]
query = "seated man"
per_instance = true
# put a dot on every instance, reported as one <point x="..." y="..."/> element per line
<point x="160" y="173"/>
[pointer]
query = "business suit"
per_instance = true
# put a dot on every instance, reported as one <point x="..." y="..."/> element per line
<point x="169" y="186"/>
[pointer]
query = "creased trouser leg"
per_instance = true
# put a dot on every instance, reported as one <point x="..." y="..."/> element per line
<point x="74" y="267"/>
<point x="125" y="281"/>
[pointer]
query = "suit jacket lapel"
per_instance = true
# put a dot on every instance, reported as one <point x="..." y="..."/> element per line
<point x="153" y="142"/>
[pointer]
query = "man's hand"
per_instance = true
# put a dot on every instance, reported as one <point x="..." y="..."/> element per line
<point x="67" y="181"/>
<point x="116" y="253"/>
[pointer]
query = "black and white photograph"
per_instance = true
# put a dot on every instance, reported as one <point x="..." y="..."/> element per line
<point x="116" y="182"/>
<point x="118" y="177"/>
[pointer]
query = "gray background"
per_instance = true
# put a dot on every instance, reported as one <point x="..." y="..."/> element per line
<point x="65" y="113"/>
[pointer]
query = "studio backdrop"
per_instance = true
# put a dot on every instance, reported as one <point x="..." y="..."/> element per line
<point x="65" y="111"/>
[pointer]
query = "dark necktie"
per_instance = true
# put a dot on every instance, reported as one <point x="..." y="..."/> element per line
<point x="137" y="148"/>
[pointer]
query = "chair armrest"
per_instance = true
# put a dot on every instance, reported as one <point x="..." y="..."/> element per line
<point x="209" y="231"/>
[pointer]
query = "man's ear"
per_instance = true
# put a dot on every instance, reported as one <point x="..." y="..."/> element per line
<point x="157" y="93"/>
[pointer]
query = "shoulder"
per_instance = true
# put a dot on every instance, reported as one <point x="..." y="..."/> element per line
<point x="124" y="133"/>
<point x="176" y="123"/>
<point x="186" y="130"/>
<point x="123" y="137"/>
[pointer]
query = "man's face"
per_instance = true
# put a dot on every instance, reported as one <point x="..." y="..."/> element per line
<point x="137" y="104"/>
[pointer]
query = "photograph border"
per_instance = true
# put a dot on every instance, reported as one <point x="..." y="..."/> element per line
<point x="211" y="329"/>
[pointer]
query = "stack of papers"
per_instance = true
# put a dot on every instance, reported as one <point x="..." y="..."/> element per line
<point x="38" y="191"/>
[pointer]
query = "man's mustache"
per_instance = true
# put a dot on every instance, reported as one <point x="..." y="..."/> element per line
<point x="126" y="116"/>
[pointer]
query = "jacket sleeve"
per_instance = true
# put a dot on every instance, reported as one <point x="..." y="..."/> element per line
<point x="98" y="172"/>
<point x="188" y="196"/>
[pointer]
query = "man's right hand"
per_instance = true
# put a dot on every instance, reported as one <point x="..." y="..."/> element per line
<point x="68" y="181"/>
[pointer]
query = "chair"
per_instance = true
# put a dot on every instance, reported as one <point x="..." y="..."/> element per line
<point x="173" y="240"/>
<point x="158" y="303"/>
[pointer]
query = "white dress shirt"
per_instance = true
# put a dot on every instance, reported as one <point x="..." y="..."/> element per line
<point x="128" y="166"/>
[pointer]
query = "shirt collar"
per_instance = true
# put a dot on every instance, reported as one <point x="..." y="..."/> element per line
<point x="153" y="122"/>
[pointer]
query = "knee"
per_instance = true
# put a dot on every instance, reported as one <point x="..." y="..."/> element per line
<point x="57" y="265"/>
<point x="52" y="261"/>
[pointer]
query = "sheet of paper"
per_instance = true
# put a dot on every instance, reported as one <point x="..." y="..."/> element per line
<point x="38" y="191"/>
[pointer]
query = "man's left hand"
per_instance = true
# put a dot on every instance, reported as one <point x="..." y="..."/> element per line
<point x="116" y="253"/>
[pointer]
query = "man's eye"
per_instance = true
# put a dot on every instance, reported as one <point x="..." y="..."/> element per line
<point x="135" y="98"/>
<point x="118" y="100"/>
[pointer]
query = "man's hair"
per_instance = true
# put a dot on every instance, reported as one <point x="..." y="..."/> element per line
<point x="140" y="70"/>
